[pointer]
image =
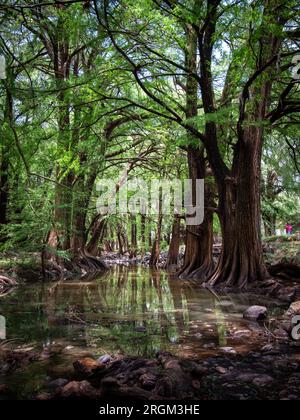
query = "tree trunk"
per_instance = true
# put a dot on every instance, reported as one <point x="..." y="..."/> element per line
<point x="97" y="234"/>
<point x="4" y="165"/>
<point x="173" y="255"/>
<point x="143" y="232"/>
<point x="269" y="224"/>
<point x="122" y="239"/>
<point x="4" y="188"/>
<point x="198" y="259"/>
<point x="133" y="236"/>
<point x="154" y="259"/>
<point x="149" y="235"/>
<point x="82" y="194"/>
<point x="241" y="260"/>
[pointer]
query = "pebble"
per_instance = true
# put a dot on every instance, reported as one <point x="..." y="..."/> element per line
<point x="221" y="370"/>
<point x="106" y="358"/>
<point x="228" y="350"/>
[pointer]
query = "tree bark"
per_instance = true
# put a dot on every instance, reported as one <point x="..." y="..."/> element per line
<point x="97" y="234"/>
<point x="173" y="254"/>
<point x="122" y="239"/>
<point x="241" y="260"/>
<point x="4" y="165"/>
<point x="198" y="259"/>
<point x="133" y="236"/>
<point x="155" y="254"/>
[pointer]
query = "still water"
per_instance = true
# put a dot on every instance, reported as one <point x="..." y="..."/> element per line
<point x="134" y="311"/>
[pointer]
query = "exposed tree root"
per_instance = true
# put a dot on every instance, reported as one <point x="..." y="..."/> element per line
<point x="89" y="263"/>
<point x="81" y="264"/>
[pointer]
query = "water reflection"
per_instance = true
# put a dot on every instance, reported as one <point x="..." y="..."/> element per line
<point x="135" y="311"/>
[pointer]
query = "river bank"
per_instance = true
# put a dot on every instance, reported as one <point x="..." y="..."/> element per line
<point x="122" y="332"/>
<point x="271" y="374"/>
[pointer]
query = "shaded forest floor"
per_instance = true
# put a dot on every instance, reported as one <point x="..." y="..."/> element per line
<point x="27" y="267"/>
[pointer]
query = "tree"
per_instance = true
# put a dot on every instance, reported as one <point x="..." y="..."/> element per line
<point x="238" y="180"/>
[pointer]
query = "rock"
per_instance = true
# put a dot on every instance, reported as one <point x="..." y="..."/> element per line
<point x="263" y="380"/>
<point x="228" y="350"/>
<point x="246" y="377"/>
<point x="88" y="367"/>
<point x="196" y="384"/>
<point x="209" y="346"/>
<point x="267" y="348"/>
<point x="105" y="359"/>
<point x="287" y="294"/>
<point x="256" y="313"/>
<point x="281" y="334"/>
<point x="221" y="370"/>
<point x="68" y="348"/>
<point x="293" y="310"/>
<point x="58" y="383"/>
<point x="148" y="381"/>
<point x="241" y="333"/>
<point x="44" y="396"/>
<point x="79" y="390"/>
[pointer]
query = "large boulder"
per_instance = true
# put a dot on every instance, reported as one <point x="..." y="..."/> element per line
<point x="256" y="313"/>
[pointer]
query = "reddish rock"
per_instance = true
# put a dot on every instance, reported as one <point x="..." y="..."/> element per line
<point x="88" y="367"/>
<point x="293" y="310"/>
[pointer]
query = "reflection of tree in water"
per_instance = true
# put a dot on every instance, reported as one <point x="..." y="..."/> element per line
<point x="136" y="310"/>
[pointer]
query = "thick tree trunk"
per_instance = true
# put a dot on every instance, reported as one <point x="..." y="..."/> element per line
<point x="241" y="261"/>
<point x="173" y="254"/>
<point x="198" y="259"/>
